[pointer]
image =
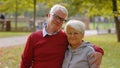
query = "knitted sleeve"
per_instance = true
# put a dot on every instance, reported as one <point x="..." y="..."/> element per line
<point x="98" y="49"/>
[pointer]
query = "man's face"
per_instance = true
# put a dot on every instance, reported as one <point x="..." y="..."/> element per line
<point x="57" y="19"/>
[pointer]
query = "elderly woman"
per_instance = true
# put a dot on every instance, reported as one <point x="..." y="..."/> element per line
<point x="78" y="50"/>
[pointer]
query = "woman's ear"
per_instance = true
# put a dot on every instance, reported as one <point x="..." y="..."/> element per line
<point x="48" y="15"/>
<point x="82" y="35"/>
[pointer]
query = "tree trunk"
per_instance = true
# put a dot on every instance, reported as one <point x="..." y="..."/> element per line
<point x="117" y="23"/>
<point x="34" y="29"/>
<point x="16" y="15"/>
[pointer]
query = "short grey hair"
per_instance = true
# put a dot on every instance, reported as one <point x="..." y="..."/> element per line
<point x="76" y="24"/>
<point x="59" y="7"/>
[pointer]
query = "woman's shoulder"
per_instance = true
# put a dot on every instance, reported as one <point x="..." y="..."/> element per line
<point x="89" y="46"/>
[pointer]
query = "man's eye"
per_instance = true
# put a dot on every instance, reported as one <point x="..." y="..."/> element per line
<point x="57" y="17"/>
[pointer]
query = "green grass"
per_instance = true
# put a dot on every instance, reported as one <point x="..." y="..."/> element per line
<point x="10" y="57"/>
<point x="9" y="34"/>
<point x="101" y="25"/>
<point x="111" y="49"/>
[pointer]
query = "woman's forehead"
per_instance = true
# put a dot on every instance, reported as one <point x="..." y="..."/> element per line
<point x="69" y="28"/>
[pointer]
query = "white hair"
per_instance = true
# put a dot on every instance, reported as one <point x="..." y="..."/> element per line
<point x="76" y="24"/>
<point x="59" y="7"/>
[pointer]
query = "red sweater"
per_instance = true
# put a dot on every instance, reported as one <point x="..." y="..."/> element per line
<point x="45" y="52"/>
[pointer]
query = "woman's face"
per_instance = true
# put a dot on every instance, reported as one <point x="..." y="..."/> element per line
<point x="74" y="36"/>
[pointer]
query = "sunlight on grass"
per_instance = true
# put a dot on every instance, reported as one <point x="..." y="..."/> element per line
<point x="9" y="34"/>
<point x="111" y="49"/>
<point x="10" y="57"/>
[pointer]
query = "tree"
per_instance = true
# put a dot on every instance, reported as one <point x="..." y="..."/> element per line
<point x="117" y="22"/>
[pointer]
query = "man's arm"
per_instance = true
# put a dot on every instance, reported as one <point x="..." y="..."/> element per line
<point x="98" y="49"/>
<point x="97" y="56"/>
<point x="26" y="59"/>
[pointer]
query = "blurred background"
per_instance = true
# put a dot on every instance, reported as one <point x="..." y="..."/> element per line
<point x="26" y="15"/>
<point x="18" y="18"/>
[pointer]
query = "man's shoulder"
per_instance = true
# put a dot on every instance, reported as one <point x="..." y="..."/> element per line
<point x="37" y="33"/>
<point x="62" y="31"/>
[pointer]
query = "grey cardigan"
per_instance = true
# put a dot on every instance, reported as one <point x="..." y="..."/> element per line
<point x="78" y="58"/>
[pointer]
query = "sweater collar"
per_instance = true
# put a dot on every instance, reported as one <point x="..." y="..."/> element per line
<point x="46" y="33"/>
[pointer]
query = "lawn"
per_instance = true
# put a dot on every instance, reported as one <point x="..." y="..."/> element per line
<point x="10" y="57"/>
<point x="9" y="34"/>
<point x="111" y="48"/>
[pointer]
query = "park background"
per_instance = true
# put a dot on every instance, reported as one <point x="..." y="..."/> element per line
<point x="98" y="15"/>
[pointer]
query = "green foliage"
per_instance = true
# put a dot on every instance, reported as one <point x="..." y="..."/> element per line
<point x="88" y="7"/>
<point x="10" y="6"/>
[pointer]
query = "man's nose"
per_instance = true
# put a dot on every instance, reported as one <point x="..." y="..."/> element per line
<point x="59" y="21"/>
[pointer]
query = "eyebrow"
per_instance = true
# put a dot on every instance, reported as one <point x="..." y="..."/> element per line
<point x="59" y="17"/>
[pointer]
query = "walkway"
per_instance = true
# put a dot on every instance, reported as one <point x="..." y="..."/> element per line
<point x="12" y="41"/>
<point x="20" y="40"/>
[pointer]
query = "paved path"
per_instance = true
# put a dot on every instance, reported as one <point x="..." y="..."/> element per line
<point x="12" y="41"/>
<point x="90" y="32"/>
<point x="20" y="40"/>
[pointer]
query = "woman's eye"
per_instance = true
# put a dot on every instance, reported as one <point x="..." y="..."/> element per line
<point x="76" y="33"/>
<point x="73" y="33"/>
<point x="69" y="33"/>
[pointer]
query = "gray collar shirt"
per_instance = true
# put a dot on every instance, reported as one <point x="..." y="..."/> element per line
<point x="46" y="33"/>
<point x="78" y="58"/>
